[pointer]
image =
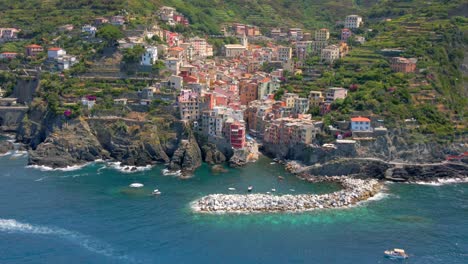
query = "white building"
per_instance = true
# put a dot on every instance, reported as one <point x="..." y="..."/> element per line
<point x="65" y="62"/>
<point x="55" y="53"/>
<point x="176" y="82"/>
<point x="173" y="64"/>
<point x="360" y="124"/>
<point x="330" y="53"/>
<point x="150" y="56"/>
<point x="353" y="21"/>
<point x="88" y="29"/>
<point x="335" y="93"/>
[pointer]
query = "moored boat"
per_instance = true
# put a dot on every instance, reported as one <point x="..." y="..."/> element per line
<point x="156" y="192"/>
<point x="136" y="185"/>
<point x="250" y="188"/>
<point x="396" y="253"/>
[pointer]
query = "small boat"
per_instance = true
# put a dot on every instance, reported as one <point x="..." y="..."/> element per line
<point x="396" y="253"/>
<point x="267" y="192"/>
<point x="280" y="178"/>
<point x="271" y="163"/>
<point x="273" y="190"/>
<point x="232" y="189"/>
<point x="250" y="188"/>
<point x="136" y="185"/>
<point x="156" y="192"/>
<point x="292" y="190"/>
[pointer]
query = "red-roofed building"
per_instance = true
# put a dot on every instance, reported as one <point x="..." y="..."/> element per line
<point x="33" y="49"/>
<point x="360" y="124"/>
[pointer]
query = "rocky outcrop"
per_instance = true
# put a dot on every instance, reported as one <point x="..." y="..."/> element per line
<point x="243" y="156"/>
<point x="133" y="144"/>
<point x="187" y="157"/>
<point x="72" y="144"/>
<point x="212" y="155"/>
<point x="397" y="145"/>
<point x="379" y="169"/>
<point x="6" y="146"/>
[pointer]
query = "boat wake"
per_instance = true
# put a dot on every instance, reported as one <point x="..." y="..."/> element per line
<point x="87" y="242"/>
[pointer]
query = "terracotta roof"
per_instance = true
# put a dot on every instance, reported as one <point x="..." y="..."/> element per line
<point x="176" y="49"/>
<point x="33" y="46"/>
<point x="9" y="53"/>
<point x="360" y="119"/>
<point x="55" y="49"/>
<point x="265" y="80"/>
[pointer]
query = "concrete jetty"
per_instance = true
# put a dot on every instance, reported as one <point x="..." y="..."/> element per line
<point x="354" y="191"/>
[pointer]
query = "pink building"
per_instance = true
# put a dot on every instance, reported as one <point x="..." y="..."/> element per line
<point x="345" y="34"/>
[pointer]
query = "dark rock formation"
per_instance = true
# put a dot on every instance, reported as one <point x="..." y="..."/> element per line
<point x="399" y="172"/>
<point x="133" y="145"/>
<point x="187" y="157"/>
<point x="212" y="155"/>
<point x="73" y="144"/>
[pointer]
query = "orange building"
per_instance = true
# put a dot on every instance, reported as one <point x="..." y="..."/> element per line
<point x="248" y="92"/>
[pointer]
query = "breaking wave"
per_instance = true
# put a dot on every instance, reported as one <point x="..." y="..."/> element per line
<point x="87" y="242"/>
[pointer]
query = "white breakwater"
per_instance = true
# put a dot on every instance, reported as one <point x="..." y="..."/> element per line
<point x="354" y="190"/>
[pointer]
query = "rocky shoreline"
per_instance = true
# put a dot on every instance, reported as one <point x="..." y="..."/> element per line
<point x="354" y="191"/>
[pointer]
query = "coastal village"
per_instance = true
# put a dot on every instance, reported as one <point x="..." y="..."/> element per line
<point x="234" y="95"/>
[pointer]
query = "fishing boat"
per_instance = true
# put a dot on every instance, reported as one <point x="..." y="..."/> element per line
<point x="136" y="185"/>
<point x="396" y="253"/>
<point x="250" y="188"/>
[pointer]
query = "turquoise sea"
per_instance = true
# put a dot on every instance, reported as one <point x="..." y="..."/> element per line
<point x="90" y="215"/>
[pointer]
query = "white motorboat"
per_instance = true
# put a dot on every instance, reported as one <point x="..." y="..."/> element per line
<point x="250" y="188"/>
<point x="156" y="192"/>
<point x="232" y="189"/>
<point x="273" y="190"/>
<point x="136" y="185"/>
<point x="396" y="254"/>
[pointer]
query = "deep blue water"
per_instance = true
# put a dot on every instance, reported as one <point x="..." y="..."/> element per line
<point x="91" y="216"/>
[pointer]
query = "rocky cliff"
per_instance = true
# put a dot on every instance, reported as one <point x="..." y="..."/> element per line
<point x="56" y="141"/>
<point x="395" y="146"/>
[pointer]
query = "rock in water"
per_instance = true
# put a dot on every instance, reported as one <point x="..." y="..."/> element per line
<point x="6" y="146"/>
<point x="187" y="157"/>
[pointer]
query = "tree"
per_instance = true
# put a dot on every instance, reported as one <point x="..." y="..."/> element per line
<point x="133" y="55"/>
<point x="110" y="33"/>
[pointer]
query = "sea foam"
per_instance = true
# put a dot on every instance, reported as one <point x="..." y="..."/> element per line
<point x="87" y="242"/>
<point x="68" y="168"/>
<point x="440" y="182"/>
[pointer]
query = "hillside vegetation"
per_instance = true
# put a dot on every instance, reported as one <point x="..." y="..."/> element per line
<point x="435" y="32"/>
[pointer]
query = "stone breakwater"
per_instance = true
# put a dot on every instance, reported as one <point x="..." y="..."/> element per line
<point x="354" y="191"/>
